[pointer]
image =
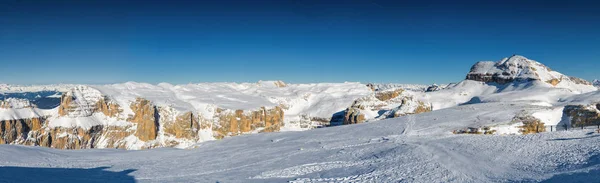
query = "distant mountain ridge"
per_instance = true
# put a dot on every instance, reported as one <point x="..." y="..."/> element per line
<point x="135" y="115"/>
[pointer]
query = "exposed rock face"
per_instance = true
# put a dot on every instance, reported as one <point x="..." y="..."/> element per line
<point x="146" y="117"/>
<point x="554" y="81"/>
<point x="280" y="84"/>
<point x="108" y="108"/>
<point x="583" y="115"/>
<point x="580" y="81"/>
<point x="596" y="83"/>
<point x="433" y="88"/>
<point x="185" y="126"/>
<point x="353" y="115"/>
<point x="385" y="104"/>
<point x="146" y="121"/>
<point x="520" y="69"/>
<point x="387" y="95"/>
<point x="17" y="131"/>
<point x="83" y="101"/>
<point x="530" y="124"/>
<point x="65" y="104"/>
<point x="237" y="122"/>
<point x="410" y="106"/>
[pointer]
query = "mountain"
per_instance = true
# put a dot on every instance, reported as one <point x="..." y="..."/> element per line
<point x="414" y="148"/>
<point x="139" y="115"/>
<point x="413" y="133"/>
<point x="521" y="69"/>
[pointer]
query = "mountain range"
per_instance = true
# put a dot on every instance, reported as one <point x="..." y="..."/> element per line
<point x="139" y="115"/>
<point x="512" y="120"/>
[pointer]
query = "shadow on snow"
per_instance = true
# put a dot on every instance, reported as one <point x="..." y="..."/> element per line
<point x="51" y="175"/>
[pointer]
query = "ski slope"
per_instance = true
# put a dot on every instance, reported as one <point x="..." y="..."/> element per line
<point x="416" y="148"/>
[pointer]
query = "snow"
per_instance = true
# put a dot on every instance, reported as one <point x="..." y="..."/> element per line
<point x="316" y="100"/>
<point x="416" y="148"/>
<point x="23" y="113"/>
<point x="6" y="88"/>
<point x="522" y="69"/>
<point x="86" y="122"/>
<point x="551" y="116"/>
<point x="517" y="67"/>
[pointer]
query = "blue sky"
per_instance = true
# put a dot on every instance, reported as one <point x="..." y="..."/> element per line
<point x="296" y="41"/>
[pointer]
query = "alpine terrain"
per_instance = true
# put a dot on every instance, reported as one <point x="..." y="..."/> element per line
<point x="512" y="120"/>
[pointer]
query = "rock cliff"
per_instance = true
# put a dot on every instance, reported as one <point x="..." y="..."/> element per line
<point x="583" y="115"/>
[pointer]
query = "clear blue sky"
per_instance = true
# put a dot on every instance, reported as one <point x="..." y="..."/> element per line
<point x="296" y="41"/>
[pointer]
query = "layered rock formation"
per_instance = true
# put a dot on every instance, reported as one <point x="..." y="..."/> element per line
<point x="17" y="131"/>
<point x="145" y="116"/>
<point x="237" y="122"/>
<point x="583" y="115"/>
<point x="86" y="118"/>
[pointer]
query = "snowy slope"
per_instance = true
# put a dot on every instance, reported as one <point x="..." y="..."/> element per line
<point x="416" y="148"/>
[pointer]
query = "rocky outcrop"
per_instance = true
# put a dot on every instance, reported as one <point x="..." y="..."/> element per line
<point x="387" y="95"/>
<point x="410" y="106"/>
<point x="387" y="104"/>
<point x="231" y="123"/>
<point x="433" y="88"/>
<point x="530" y="124"/>
<point x="185" y="126"/>
<point x="280" y="84"/>
<point x="84" y="101"/>
<point x="17" y="131"/>
<point x="353" y="115"/>
<point x="583" y="115"/>
<point x="146" y="117"/>
<point x="554" y="81"/>
<point x="65" y="104"/>
<point x="580" y="81"/>
<point x="107" y="107"/>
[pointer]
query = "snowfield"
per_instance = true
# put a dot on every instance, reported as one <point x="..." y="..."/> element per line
<point x="416" y="148"/>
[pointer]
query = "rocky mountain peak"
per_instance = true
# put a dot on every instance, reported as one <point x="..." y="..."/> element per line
<point x="520" y="69"/>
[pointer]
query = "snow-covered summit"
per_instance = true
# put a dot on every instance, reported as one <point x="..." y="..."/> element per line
<point x="521" y="69"/>
<point x="515" y="68"/>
